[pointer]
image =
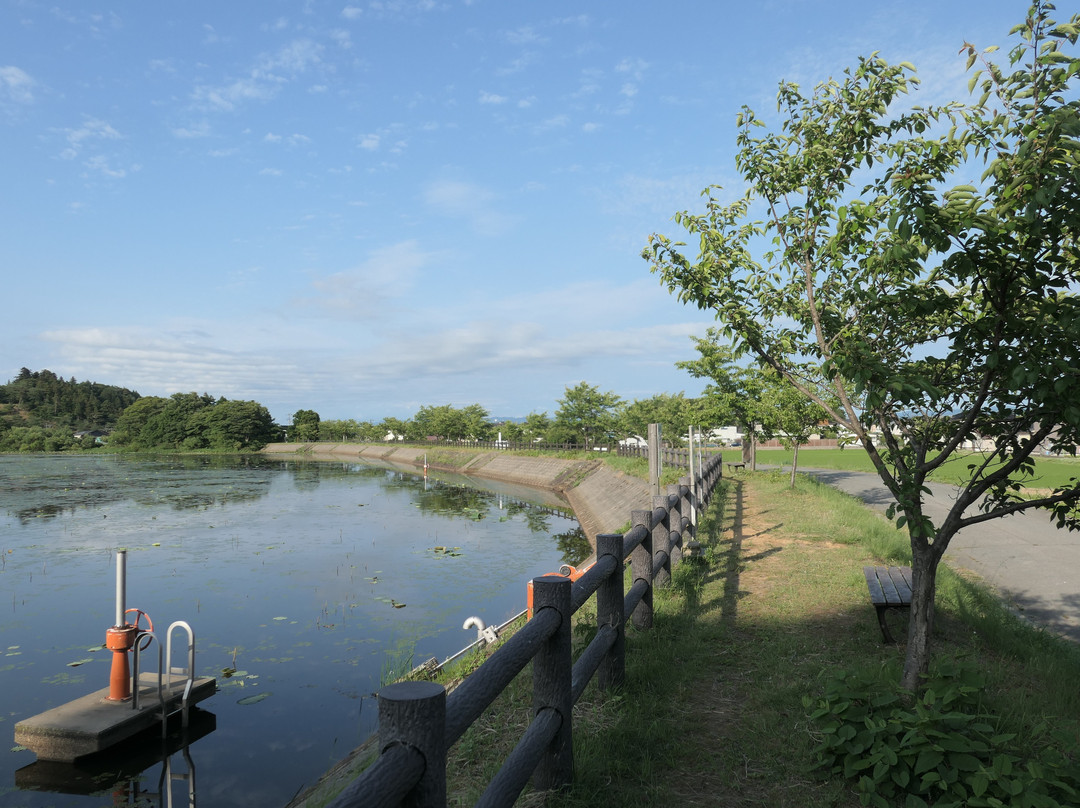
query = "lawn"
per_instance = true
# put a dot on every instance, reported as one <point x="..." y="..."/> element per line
<point x="1050" y="472"/>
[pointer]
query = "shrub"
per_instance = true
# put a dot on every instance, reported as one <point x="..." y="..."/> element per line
<point x="940" y="749"/>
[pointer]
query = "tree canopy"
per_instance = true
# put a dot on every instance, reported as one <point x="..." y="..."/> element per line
<point x="189" y="421"/>
<point x="924" y="262"/>
<point x="585" y="414"/>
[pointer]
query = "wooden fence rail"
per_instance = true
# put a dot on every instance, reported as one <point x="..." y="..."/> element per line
<point x="419" y="722"/>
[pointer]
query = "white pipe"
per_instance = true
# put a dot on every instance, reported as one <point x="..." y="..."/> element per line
<point x="121" y="585"/>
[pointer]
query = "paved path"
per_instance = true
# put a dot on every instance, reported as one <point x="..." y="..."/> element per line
<point x="1032" y="564"/>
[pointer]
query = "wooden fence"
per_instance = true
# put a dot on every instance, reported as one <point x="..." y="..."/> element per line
<point x="419" y="722"/>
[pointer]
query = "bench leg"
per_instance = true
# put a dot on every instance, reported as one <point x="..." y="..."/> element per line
<point x="886" y="635"/>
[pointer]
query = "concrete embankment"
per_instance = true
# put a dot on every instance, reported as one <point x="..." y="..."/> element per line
<point x="600" y="497"/>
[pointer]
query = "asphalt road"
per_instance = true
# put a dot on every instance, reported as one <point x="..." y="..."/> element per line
<point x="1025" y="557"/>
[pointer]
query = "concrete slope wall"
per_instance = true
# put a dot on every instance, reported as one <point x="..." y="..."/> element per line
<point x="602" y="499"/>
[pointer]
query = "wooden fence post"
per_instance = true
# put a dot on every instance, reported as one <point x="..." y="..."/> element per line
<point x="413" y="714"/>
<point x="552" y="683"/>
<point x="688" y="506"/>
<point x="641" y="568"/>
<point x="661" y="540"/>
<point x="609" y="612"/>
<point x="676" y="541"/>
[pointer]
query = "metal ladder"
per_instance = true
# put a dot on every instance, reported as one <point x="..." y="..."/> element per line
<point x="166" y="672"/>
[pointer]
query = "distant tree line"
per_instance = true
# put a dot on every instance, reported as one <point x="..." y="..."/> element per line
<point x="42" y="412"/>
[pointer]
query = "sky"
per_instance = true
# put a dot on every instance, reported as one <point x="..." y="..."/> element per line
<point x="366" y="207"/>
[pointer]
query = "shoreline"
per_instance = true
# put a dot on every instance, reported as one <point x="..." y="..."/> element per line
<point x="602" y="499"/>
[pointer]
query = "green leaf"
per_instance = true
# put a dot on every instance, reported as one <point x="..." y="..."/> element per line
<point x="928" y="759"/>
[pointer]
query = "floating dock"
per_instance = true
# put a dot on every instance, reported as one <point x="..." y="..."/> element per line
<point x="93" y="723"/>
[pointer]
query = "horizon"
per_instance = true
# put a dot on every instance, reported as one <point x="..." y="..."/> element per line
<point x="365" y="208"/>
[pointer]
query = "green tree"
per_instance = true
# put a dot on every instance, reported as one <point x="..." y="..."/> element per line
<point x="940" y="305"/>
<point x="789" y="415"/>
<point x="305" y="426"/>
<point x="536" y="426"/>
<point x="132" y="422"/>
<point x="585" y="414"/>
<point x="675" y="414"/>
<point x="734" y="393"/>
<point x="230" y="426"/>
<point x="394" y="426"/>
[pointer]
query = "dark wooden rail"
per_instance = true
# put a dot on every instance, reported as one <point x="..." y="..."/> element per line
<point x="418" y="722"/>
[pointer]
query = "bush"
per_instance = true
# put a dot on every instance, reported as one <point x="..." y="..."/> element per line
<point x="941" y="749"/>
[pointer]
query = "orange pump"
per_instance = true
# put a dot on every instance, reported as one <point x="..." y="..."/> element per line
<point x="121" y="639"/>
<point x="565" y="571"/>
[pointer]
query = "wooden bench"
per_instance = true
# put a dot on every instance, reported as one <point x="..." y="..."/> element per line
<point x="733" y="466"/>
<point x="890" y="588"/>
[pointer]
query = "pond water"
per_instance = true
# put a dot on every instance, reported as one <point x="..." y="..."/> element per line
<point x="312" y="580"/>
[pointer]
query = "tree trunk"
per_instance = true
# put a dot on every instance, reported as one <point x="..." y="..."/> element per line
<point x="794" y="464"/>
<point x="921" y="621"/>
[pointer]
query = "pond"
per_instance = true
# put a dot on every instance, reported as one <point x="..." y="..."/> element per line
<point x="308" y="582"/>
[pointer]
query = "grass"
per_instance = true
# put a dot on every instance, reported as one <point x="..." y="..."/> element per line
<point x="1050" y="472"/>
<point x="711" y="712"/>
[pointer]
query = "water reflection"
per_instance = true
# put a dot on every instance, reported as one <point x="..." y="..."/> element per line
<point x="142" y="771"/>
<point x="309" y="580"/>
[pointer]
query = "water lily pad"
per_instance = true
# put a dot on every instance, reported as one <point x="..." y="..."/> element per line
<point x="78" y="662"/>
<point x="255" y="699"/>
<point x="281" y="618"/>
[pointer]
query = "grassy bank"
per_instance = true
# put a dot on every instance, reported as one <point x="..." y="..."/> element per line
<point x="712" y="710"/>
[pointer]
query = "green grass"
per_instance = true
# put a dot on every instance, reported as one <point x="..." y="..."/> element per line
<point x="1050" y="472"/>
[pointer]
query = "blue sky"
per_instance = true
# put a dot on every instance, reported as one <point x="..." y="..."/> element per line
<point x="365" y="207"/>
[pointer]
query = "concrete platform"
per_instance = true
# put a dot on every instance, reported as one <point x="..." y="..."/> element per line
<point x="93" y="723"/>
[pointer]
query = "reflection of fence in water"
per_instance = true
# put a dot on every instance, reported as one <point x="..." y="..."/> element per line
<point x="418" y="721"/>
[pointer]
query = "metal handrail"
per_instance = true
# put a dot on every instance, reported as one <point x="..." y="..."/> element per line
<point x="185" y="705"/>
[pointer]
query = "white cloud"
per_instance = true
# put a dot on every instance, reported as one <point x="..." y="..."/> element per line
<point x="263" y="81"/>
<point x="271" y="172"/>
<point x="201" y="129"/>
<point x="352" y="12"/>
<point x="93" y="129"/>
<point x="100" y="164"/>
<point x="386" y="274"/>
<point x="16" y="85"/>
<point x="465" y="200"/>
<point x="342" y="37"/>
<point x="635" y="67"/>
<point x="369" y="142"/>
<point x="492" y="98"/>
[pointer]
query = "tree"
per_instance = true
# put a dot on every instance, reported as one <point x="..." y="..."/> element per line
<point x="940" y="305"/>
<point x="305" y="426"/>
<point x="788" y="415"/>
<point x="734" y="393"/>
<point x="230" y="426"/>
<point x="585" y="413"/>
<point x="131" y="424"/>
<point x="675" y="414"/>
<point x="536" y="426"/>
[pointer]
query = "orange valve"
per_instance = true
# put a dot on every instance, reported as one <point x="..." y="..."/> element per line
<point x="139" y="615"/>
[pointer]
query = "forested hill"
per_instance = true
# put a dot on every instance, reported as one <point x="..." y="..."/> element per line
<point x="43" y="399"/>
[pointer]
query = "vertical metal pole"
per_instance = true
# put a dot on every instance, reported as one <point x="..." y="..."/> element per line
<point x="654" y="459"/>
<point x="121" y="585"/>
